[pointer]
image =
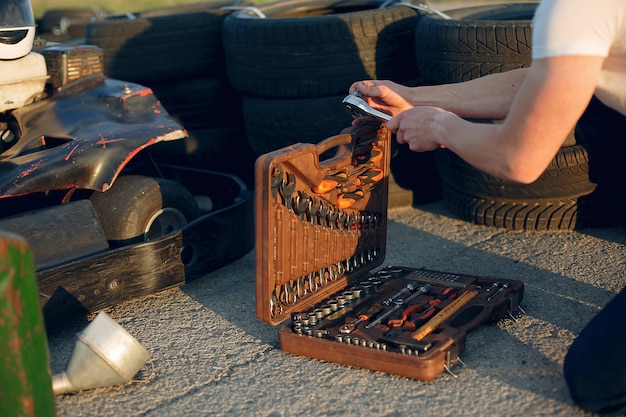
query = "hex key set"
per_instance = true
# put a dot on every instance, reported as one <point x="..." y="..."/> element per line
<point x="320" y="233"/>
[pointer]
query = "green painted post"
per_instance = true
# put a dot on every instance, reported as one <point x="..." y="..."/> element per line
<point x="25" y="383"/>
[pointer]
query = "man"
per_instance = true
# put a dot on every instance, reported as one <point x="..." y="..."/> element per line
<point x="578" y="75"/>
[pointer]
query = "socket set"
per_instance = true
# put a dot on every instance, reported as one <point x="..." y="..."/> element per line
<point x="320" y="233"/>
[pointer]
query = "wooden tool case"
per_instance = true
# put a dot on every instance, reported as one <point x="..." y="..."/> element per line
<point x="321" y="220"/>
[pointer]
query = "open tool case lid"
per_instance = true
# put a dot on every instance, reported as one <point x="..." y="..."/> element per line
<point x="321" y="216"/>
<point x="321" y="222"/>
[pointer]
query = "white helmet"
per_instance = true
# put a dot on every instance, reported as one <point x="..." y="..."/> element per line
<point x="17" y="28"/>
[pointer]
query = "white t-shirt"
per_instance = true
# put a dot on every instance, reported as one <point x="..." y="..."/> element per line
<point x="586" y="27"/>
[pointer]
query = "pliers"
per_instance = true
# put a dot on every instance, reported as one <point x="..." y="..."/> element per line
<point x="427" y="311"/>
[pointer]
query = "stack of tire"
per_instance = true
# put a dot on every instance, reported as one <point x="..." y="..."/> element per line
<point x="480" y="40"/>
<point x="294" y="61"/>
<point x="64" y="25"/>
<point x="177" y="52"/>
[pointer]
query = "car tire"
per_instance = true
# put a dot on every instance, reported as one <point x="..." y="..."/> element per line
<point x="475" y="41"/>
<point x="200" y="103"/>
<point x="63" y="24"/>
<point x="189" y="36"/>
<point x="275" y="123"/>
<point x="562" y="198"/>
<point x="139" y="208"/>
<point x="313" y="48"/>
<point x="566" y="176"/>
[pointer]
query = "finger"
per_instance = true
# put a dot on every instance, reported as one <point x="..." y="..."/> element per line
<point x="393" y="124"/>
<point x="367" y="88"/>
<point x="362" y="119"/>
<point x="356" y="86"/>
<point x="400" y="138"/>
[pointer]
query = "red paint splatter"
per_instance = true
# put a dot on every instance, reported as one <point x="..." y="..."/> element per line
<point x="104" y="141"/>
<point x="32" y="168"/>
<point x="69" y="155"/>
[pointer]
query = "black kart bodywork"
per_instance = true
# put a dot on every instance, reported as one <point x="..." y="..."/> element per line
<point x="82" y="137"/>
<point x="78" y="142"/>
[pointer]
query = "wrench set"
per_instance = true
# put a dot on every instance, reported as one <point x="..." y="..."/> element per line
<point x="320" y="232"/>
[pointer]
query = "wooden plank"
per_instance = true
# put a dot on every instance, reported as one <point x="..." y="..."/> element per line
<point x="60" y="233"/>
<point x="100" y="281"/>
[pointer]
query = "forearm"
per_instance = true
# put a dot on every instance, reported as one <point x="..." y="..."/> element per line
<point x="488" y="97"/>
<point x="522" y="147"/>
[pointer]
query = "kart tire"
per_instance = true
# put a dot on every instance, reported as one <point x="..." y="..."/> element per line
<point x="189" y="37"/>
<point x="475" y="41"/>
<point x="313" y="48"/>
<point x="562" y="198"/>
<point x="139" y="208"/>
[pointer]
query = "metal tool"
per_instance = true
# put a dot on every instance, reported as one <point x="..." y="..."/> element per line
<point x="346" y="200"/>
<point x="408" y="288"/>
<point x="349" y="327"/>
<point x="415" y="308"/>
<point x="502" y="288"/>
<point x="301" y="204"/>
<point x="276" y="180"/>
<point x="424" y="289"/>
<point x="287" y="188"/>
<point x="427" y="311"/>
<point x="313" y="209"/>
<point x="330" y="182"/>
<point x="359" y="108"/>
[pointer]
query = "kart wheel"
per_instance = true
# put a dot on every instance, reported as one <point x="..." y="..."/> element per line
<point x="138" y="209"/>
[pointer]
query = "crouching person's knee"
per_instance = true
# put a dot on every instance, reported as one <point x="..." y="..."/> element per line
<point x="594" y="367"/>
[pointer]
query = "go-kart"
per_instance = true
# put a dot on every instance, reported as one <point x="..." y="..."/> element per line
<point x="85" y="180"/>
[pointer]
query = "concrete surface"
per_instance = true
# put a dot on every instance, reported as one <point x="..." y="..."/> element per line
<point x="212" y="357"/>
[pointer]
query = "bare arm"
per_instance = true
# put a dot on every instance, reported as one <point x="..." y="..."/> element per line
<point x="552" y="97"/>
<point x="487" y="97"/>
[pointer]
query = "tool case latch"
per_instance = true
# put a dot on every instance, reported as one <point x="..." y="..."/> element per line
<point x="452" y="359"/>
